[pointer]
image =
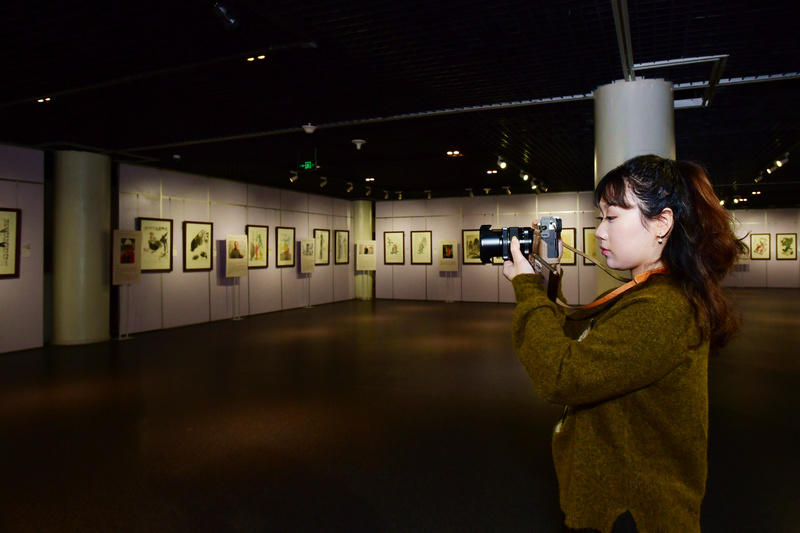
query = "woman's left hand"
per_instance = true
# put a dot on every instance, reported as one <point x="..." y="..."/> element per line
<point x="520" y="263"/>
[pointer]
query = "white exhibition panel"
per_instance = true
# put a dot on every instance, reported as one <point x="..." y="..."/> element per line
<point x="180" y="298"/>
<point x="22" y="187"/>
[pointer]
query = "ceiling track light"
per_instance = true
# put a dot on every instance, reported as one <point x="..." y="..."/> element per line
<point x="323" y="181"/>
<point x="487" y="189"/>
<point x="781" y="162"/>
<point x="309" y="128"/>
<point x="429" y="194"/>
<point x="349" y="186"/>
<point x="760" y="177"/>
<point x="385" y="195"/>
<point x="294" y="176"/>
<point x="399" y="194"/>
<point x="369" y="191"/>
<point x="523" y="175"/>
<point x="229" y="20"/>
<point x="359" y="143"/>
<point x="501" y="163"/>
<point x="471" y="194"/>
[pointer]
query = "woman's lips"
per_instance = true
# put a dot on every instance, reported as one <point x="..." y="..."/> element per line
<point x="603" y="251"/>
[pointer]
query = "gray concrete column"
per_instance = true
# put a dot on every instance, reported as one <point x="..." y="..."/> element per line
<point x="81" y="248"/>
<point x="363" y="230"/>
<point x="631" y="118"/>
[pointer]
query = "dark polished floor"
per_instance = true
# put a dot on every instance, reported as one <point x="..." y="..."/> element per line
<point x="384" y="416"/>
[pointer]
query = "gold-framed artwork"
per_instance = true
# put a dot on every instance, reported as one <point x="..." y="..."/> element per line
<point x="568" y="237"/>
<point x="342" y="251"/>
<point x="257" y="245"/>
<point x="10" y="231"/>
<point x="471" y="246"/>
<point x="589" y="245"/>
<point x="421" y="247"/>
<point x="198" y="238"/>
<point x="786" y="246"/>
<point x="393" y="247"/>
<point x="156" y="244"/>
<point x="284" y="247"/>
<point x="759" y="246"/>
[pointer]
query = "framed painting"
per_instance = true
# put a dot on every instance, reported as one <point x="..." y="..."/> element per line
<point x="284" y="247"/>
<point x="126" y="262"/>
<point x="786" y="246"/>
<point x="589" y="245"/>
<point x="10" y="231"/>
<point x="448" y="262"/>
<point x="198" y="238"/>
<point x="322" y="246"/>
<point x="568" y="256"/>
<point x="471" y="246"/>
<point x="257" y="245"/>
<point x="342" y="251"/>
<point x="421" y="247"/>
<point x="156" y="247"/>
<point x="393" y="247"/>
<point x="759" y="246"/>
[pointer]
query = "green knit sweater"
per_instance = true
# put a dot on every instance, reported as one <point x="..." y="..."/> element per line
<point x="634" y="433"/>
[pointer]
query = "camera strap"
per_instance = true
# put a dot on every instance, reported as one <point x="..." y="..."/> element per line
<point x="640" y="278"/>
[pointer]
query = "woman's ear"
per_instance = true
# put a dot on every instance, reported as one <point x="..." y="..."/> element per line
<point x="664" y="222"/>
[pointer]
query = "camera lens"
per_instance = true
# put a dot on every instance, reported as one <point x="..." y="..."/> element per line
<point x="491" y="243"/>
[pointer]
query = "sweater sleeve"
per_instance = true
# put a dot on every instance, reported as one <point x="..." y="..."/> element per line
<point x="638" y="340"/>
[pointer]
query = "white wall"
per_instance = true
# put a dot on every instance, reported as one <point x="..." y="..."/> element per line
<point x="485" y="283"/>
<point x="22" y="298"/>
<point x="180" y="298"/>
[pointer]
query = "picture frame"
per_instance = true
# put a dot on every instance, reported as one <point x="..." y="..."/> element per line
<point x="284" y="247"/>
<point x="126" y="261"/>
<point x="10" y="234"/>
<point x="589" y="245"/>
<point x="786" y="246"/>
<point x="198" y="243"/>
<point x="568" y="237"/>
<point x="759" y="246"/>
<point x="394" y="248"/>
<point x="322" y="246"/>
<point x="257" y="246"/>
<point x="341" y="254"/>
<point x="236" y="256"/>
<point x="421" y="247"/>
<point x="157" y="244"/>
<point x="471" y="247"/>
<point x="448" y="258"/>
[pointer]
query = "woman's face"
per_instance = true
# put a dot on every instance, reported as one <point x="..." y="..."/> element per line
<point x="627" y="240"/>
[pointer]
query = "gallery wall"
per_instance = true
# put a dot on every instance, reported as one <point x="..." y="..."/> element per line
<point x="22" y="298"/>
<point x="178" y="298"/>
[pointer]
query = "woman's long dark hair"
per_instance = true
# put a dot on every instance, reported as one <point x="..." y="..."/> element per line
<point x="702" y="246"/>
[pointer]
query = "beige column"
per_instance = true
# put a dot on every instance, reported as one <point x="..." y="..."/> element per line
<point x="81" y="248"/>
<point x="363" y="230"/>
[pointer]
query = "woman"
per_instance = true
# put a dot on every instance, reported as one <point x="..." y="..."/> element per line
<point x="631" y="368"/>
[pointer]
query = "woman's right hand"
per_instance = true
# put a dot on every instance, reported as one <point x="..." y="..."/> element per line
<point x="519" y="264"/>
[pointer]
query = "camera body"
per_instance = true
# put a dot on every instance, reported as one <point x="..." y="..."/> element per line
<point x="497" y="243"/>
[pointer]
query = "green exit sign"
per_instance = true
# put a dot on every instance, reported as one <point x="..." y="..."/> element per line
<point x="308" y="165"/>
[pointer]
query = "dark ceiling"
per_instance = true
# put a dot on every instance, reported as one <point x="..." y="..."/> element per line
<point x="165" y="84"/>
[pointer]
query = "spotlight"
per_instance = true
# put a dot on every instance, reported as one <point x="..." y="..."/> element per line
<point x="487" y="189"/>
<point x="722" y="202"/>
<point x="359" y="143"/>
<point x="429" y="194"/>
<point x="385" y="195"/>
<point x="534" y="185"/>
<point x="349" y="186"/>
<point x="491" y="172"/>
<point x="760" y="177"/>
<point x="772" y="169"/>
<point x="781" y="162"/>
<point x="309" y="128"/>
<point x="323" y="181"/>
<point x="508" y="190"/>
<point x="294" y="176"/>
<point x="399" y="194"/>
<point x="226" y="16"/>
<point x="369" y="191"/>
<point x="501" y="163"/>
<point x="523" y="175"/>
<point x="471" y="194"/>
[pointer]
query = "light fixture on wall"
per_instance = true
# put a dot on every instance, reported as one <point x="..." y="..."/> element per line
<point x="470" y="193"/>
<point x="501" y="162"/>
<point x="294" y="176"/>
<point x="349" y="186"/>
<point x="323" y="181"/>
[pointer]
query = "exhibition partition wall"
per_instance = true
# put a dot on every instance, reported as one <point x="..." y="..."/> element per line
<point x="178" y="297"/>
<point x="22" y="290"/>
